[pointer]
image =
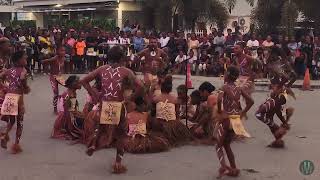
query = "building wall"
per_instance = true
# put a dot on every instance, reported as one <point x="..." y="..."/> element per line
<point x="129" y="10"/>
<point x="38" y="17"/>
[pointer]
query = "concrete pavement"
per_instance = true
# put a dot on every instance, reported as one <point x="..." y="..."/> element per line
<point x="47" y="159"/>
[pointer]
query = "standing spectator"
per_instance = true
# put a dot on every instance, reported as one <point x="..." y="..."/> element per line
<point x="193" y="44"/>
<point x="138" y="42"/>
<point x="112" y="41"/>
<point x="308" y="48"/>
<point x="268" y="43"/>
<point x="219" y="42"/>
<point x="300" y="65"/>
<point x="181" y="43"/>
<point x="205" y="44"/>
<point x="91" y="44"/>
<point x="80" y="46"/>
<point x="68" y="43"/>
<point x="102" y="48"/>
<point x="127" y="27"/>
<point x="164" y="40"/>
<point x="253" y="45"/>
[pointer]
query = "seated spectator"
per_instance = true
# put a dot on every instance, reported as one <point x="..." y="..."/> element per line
<point x="203" y="62"/>
<point x="268" y="42"/>
<point x="192" y="61"/>
<point x="180" y="59"/>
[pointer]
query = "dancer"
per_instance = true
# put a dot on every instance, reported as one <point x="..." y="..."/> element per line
<point x="5" y="50"/>
<point x="244" y="63"/>
<point x="155" y="60"/>
<point x="110" y="112"/>
<point x="56" y="70"/>
<point x="229" y="121"/>
<point x="69" y="123"/>
<point x="13" y="105"/>
<point x="139" y="138"/>
<point x="187" y="110"/>
<point x="205" y="115"/>
<point x="281" y="77"/>
<point x="166" y="111"/>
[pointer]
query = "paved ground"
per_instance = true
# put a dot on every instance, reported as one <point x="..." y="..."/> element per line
<point x="47" y="159"/>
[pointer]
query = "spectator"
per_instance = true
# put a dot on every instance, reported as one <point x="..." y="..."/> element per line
<point x="80" y="46"/>
<point x="300" y="65"/>
<point x="205" y="44"/>
<point x="180" y="59"/>
<point x="193" y="44"/>
<point x="268" y="42"/>
<point x="181" y="42"/>
<point x="253" y="45"/>
<point x="138" y="42"/>
<point x="91" y="45"/>
<point x="164" y="40"/>
<point x="192" y="61"/>
<point x="308" y="48"/>
<point x="127" y="27"/>
<point x="219" y="43"/>
<point x="203" y="64"/>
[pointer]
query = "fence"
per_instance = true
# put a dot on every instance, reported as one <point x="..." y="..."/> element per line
<point x="197" y="32"/>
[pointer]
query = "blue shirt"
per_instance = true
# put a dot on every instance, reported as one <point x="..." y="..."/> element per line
<point x="138" y="43"/>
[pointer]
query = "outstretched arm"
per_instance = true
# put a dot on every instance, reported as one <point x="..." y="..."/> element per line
<point x="49" y="60"/>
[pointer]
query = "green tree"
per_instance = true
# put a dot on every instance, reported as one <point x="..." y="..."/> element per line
<point x="289" y="15"/>
<point x="160" y="14"/>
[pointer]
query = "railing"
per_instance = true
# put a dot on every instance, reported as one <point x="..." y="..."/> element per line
<point x="197" y="32"/>
<point x="5" y="2"/>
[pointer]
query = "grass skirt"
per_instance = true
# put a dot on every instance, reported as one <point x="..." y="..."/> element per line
<point x="175" y="131"/>
<point x="151" y="143"/>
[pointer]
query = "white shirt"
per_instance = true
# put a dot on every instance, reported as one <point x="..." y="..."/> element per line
<point x="112" y="43"/>
<point x="164" y="41"/>
<point x="181" y="59"/>
<point x="22" y="38"/>
<point x="254" y="43"/>
<point x="124" y="40"/>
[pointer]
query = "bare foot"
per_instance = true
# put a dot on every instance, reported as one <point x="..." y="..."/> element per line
<point x="4" y="141"/>
<point x="118" y="168"/>
<point x="223" y="171"/>
<point x="16" y="149"/>
<point x="90" y="150"/>
<point x="277" y="144"/>
<point x="234" y="172"/>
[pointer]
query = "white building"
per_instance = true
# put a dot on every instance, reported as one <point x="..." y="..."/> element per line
<point x="47" y="12"/>
<point x="241" y="12"/>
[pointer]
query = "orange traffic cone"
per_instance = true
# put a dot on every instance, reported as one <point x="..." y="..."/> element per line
<point x="306" y="81"/>
<point x="188" y="80"/>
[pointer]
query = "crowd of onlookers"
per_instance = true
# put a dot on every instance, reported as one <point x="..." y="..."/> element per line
<point x="207" y="53"/>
